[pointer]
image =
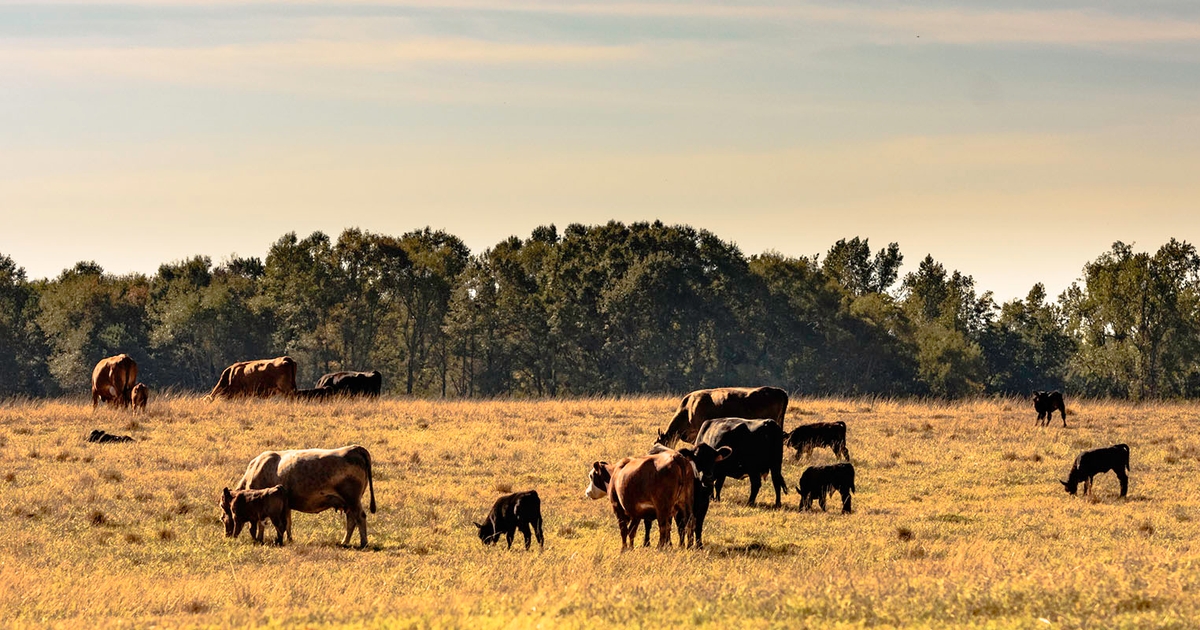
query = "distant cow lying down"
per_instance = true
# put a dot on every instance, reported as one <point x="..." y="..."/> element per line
<point x="512" y="512"/>
<point x="255" y="507"/>
<point x="817" y="482"/>
<point x="1096" y="461"/>
<point x="1046" y="403"/>
<point x="831" y="435"/>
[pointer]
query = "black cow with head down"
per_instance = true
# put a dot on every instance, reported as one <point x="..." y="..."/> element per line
<point x="1096" y="461"/>
<point x="757" y="447"/>
<point x="1046" y="403"/>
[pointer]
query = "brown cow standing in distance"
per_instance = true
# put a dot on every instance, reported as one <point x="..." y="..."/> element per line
<point x="140" y="396"/>
<point x="256" y="378"/>
<point x="113" y="379"/>
<point x="749" y="403"/>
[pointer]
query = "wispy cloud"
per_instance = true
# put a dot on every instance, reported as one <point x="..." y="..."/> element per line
<point x="961" y="25"/>
<point x="233" y="63"/>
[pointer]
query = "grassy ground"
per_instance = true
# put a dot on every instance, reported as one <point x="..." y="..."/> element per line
<point x="960" y="521"/>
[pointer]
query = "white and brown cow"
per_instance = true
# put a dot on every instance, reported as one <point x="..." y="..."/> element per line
<point x="316" y="480"/>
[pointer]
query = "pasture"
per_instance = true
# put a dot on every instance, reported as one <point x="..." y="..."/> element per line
<point x="960" y="521"/>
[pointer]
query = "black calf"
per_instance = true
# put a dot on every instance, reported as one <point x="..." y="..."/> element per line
<point x="1046" y="403"/>
<point x="832" y="435"/>
<point x="519" y="510"/>
<point x="818" y="481"/>
<point x="1096" y="461"/>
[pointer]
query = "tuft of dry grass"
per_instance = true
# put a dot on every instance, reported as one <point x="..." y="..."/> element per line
<point x="960" y="521"/>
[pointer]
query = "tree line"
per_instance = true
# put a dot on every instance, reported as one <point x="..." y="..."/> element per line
<point x="610" y="309"/>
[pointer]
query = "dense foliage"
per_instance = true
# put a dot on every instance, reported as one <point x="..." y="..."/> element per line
<point x="610" y="309"/>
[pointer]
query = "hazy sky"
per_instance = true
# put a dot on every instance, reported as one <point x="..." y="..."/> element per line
<point x="1012" y="143"/>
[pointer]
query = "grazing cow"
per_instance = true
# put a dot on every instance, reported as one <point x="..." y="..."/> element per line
<point x="257" y="378"/>
<point x="656" y="486"/>
<point x="817" y="482"/>
<point x="1096" y="461"/>
<point x="1046" y="403"/>
<point x="703" y="459"/>
<point x="757" y="450"/>
<point x="113" y="379"/>
<point x="806" y="437"/>
<point x="254" y="507"/>
<point x="101" y="437"/>
<point x="316" y="480"/>
<point x="519" y="510"/>
<point x="353" y="383"/>
<point x="751" y="403"/>
<point x="140" y="396"/>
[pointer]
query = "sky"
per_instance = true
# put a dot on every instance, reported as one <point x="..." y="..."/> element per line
<point x="1013" y="141"/>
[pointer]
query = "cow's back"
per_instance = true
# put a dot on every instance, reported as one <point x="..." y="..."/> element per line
<point x="317" y="479"/>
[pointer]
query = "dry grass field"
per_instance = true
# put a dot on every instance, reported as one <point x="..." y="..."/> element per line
<point x="960" y="521"/>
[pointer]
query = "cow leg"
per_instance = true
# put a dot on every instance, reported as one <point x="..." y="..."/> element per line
<point x="1063" y="411"/>
<point x="755" y="485"/>
<point x="351" y="525"/>
<point x="524" y="527"/>
<point x="288" y="514"/>
<point x="780" y="485"/>
<point x="664" y="530"/>
<point x="648" y="524"/>
<point x="362" y="528"/>
<point x="537" y="530"/>
<point x="821" y="500"/>
<point x="846" y="499"/>
<point x="717" y="488"/>
<point x="508" y="536"/>
<point x="1124" y="479"/>
<point x="280" y="523"/>
<point x="623" y="525"/>
<point x="843" y="452"/>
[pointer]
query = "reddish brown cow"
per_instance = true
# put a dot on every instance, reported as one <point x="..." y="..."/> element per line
<point x="656" y="486"/>
<point x="263" y="377"/>
<point x="140" y="395"/>
<point x="113" y="379"/>
<point x="748" y="403"/>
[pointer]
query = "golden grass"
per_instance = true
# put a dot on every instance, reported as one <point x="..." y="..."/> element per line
<point x="960" y="521"/>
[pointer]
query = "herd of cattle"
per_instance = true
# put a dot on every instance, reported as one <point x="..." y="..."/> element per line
<point x="734" y="432"/>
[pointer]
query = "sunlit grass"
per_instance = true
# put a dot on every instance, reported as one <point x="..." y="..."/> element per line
<point x="960" y="520"/>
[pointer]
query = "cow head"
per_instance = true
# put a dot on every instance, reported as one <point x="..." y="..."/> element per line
<point x="1070" y="486"/>
<point x="598" y="478"/>
<point x="487" y="532"/>
<point x="227" y="519"/>
<point x="704" y="460"/>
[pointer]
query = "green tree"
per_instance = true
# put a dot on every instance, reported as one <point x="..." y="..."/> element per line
<point x="22" y="350"/>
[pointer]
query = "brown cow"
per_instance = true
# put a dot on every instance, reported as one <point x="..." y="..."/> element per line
<point x="656" y="486"/>
<point x="254" y="507"/>
<point x="317" y="479"/>
<point x="256" y="378"/>
<point x="140" y="396"/>
<point x="113" y="379"/>
<point x="749" y="403"/>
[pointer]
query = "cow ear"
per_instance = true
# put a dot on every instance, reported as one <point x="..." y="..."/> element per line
<point x="688" y="453"/>
<point x="477" y="525"/>
<point x="723" y="453"/>
<point x="226" y="495"/>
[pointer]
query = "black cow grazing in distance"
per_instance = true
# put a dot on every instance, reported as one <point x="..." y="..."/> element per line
<point x="832" y="435"/>
<point x="816" y="482"/>
<point x="353" y="383"/>
<point x="519" y="510"/>
<point x="757" y="447"/>
<point x="1046" y="403"/>
<point x="1096" y="461"/>
<point x="316" y="393"/>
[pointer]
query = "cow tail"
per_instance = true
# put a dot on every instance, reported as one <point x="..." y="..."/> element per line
<point x="370" y="482"/>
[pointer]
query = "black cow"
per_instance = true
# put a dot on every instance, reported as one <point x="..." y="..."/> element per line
<point x="757" y="450"/>
<point x="1046" y="403"/>
<point x="103" y="437"/>
<point x="519" y="510"/>
<point x="832" y="435"/>
<point x="1096" y="461"/>
<point x="316" y="393"/>
<point x="817" y="482"/>
<point x="353" y="383"/>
